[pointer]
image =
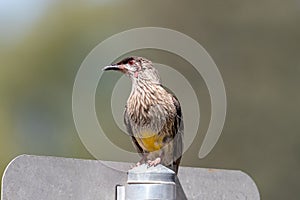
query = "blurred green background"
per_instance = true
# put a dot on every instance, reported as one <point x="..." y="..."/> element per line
<point x="255" y="44"/>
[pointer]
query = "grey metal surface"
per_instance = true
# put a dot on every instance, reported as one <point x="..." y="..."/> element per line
<point x="47" y="178"/>
<point x="151" y="183"/>
<point x="120" y="194"/>
<point x="145" y="174"/>
<point x="151" y="191"/>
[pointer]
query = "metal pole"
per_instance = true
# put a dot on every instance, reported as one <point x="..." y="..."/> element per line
<point x="149" y="183"/>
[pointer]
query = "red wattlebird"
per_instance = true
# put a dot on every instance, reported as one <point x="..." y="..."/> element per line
<point x="152" y="115"/>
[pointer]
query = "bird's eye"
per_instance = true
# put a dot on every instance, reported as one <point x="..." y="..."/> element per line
<point x="131" y="62"/>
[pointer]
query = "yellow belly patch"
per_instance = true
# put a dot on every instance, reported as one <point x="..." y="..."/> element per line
<point x="150" y="141"/>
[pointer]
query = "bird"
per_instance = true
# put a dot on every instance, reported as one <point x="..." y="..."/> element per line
<point x="152" y="116"/>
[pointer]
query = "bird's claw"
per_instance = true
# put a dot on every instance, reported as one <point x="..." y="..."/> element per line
<point x="153" y="162"/>
<point x="135" y="165"/>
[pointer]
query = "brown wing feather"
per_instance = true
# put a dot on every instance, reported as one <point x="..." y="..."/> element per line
<point x="178" y="129"/>
<point x="178" y="135"/>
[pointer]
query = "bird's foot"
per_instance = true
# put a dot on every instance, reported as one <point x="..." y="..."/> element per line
<point x="142" y="161"/>
<point x="138" y="164"/>
<point x="154" y="162"/>
<point x="135" y="165"/>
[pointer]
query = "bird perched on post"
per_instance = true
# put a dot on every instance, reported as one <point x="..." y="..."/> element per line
<point x="152" y="115"/>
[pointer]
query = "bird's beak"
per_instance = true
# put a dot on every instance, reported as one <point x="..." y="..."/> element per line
<point x="122" y="68"/>
<point x="112" y="67"/>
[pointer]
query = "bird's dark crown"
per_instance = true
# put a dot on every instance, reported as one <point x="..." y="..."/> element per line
<point x="137" y="63"/>
<point x="137" y="68"/>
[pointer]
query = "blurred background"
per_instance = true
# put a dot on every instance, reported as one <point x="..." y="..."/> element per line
<point x="255" y="44"/>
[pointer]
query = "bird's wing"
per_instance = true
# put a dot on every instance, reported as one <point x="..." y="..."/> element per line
<point x="130" y="132"/>
<point x="178" y="122"/>
<point x="178" y="132"/>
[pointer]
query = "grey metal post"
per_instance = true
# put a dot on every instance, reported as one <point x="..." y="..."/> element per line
<point x="150" y="183"/>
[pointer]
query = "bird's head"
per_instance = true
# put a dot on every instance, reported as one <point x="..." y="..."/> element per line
<point x="137" y="68"/>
